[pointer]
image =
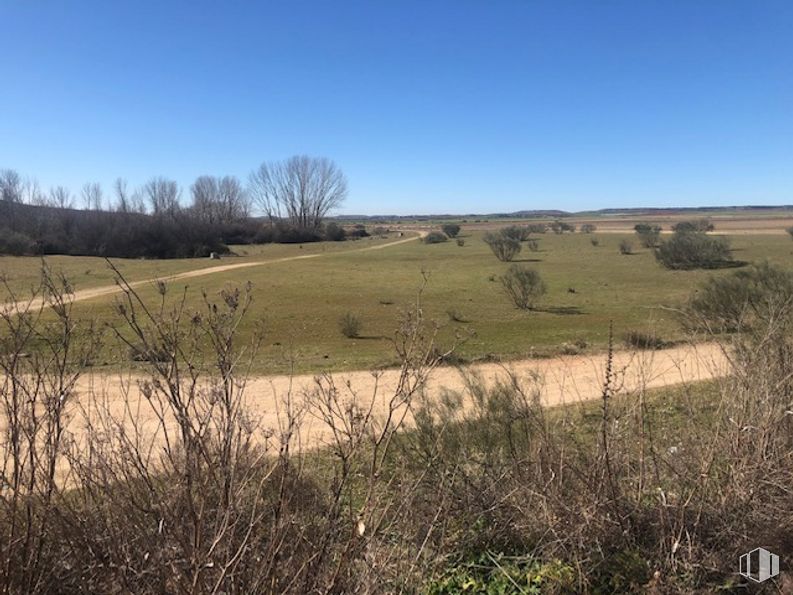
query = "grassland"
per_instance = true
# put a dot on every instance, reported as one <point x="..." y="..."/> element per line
<point x="301" y="302"/>
<point x="86" y="272"/>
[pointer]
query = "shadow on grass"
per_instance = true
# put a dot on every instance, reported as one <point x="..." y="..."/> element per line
<point x="526" y="260"/>
<point x="562" y="310"/>
<point x="713" y="266"/>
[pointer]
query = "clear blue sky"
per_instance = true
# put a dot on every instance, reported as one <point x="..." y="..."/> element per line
<point x="428" y="106"/>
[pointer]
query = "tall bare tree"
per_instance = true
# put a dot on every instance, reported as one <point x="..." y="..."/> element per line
<point x="10" y="185"/>
<point x="60" y="197"/>
<point x="163" y="196"/>
<point x="219" y="200"/>
<point x="302" y="190"/>
<point x="123" y="203"/>
<point x="92" y="196"/>
<point x="32" y="194"/>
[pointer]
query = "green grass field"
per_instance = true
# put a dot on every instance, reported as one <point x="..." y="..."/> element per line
<point x="85" y="272"/>
<point x="300" y="302"/>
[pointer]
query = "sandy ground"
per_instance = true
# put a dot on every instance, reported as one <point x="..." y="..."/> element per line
<point x="97" y="292"/>
<point x="561" y="380"/>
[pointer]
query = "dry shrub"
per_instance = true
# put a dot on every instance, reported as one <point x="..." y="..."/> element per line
<point x="350" y="325"/>
<point x="523" y="286"/>
<point x="505" y="248"/>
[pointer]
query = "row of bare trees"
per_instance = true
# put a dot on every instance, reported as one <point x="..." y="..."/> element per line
<point x="301" y="191"/>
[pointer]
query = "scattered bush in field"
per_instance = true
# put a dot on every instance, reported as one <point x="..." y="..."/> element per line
<point x="505" y="249"/>
<point x="537" y="227"/>
<point x="595" y="242"/>
<point x="588" y="228"/>
<point x="450" y="229"/>
<point x="626" y="247"/>
<point x="693" y="250"/>
<point x="333" y="232"/>
<point x="435" y="237"/>
<point x="380" y="231"/>
<point x="741" y="301"/>
<point x="358" y="231"/>
<point x="559" y="227"/>
<point x="648" y="234"/>
<point x="516" y="232"/>
<point x="523" y="286"/>
<point x="532" y="245"/>
<point x="703" y="225"/>
<point x="642" y="340"/>
<point x="460" y="242"/>
<point x="350" y="325"/>
<point x="789" y="230"/>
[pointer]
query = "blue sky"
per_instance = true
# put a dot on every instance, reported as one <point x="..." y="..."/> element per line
<point x="427" y="106"/>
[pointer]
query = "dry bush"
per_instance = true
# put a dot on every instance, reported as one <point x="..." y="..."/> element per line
<point x="648" y="234"/>
<point x="687" y="250"/>
<point x="523" y="286"/>
<point x="626" y="248"/>
<point x="350" y="325"/>
<point x="505" y="248"/>
<point x="435" y="237"/>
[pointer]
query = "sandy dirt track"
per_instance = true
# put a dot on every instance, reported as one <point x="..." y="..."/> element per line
<point x="563" y="380"/>
<point x="97" y="292"/>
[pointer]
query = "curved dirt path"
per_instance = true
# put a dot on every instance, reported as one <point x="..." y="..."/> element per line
<point x="96" y="292"/>
<point x="560" y="380"/>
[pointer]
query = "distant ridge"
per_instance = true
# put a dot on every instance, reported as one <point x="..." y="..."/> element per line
<point x="554" y="214"/>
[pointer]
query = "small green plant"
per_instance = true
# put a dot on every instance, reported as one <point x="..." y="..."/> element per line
<point x="533" y="245"/>
<point x="435" y="237"/>
<point x="626" y="247"/>
<point x="451" y="229"/>
<point x="350" y="325"/>
<point x="460" y="242"/>
<point x="595" y="242"/>
<point x="523" y="286"/>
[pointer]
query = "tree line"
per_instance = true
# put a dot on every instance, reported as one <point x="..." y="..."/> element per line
<point x="156" y="221"/>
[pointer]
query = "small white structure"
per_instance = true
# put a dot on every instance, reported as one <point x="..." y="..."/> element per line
<point x="214" y="256"/>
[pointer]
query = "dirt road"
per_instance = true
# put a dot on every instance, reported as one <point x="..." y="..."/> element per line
<point x="97" y="292"/>
<point x="563" y="380"/>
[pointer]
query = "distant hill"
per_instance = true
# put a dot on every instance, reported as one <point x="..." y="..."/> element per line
<point x="558" y="214"/>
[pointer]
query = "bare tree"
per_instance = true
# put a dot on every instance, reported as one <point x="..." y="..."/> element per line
<point x="219" y="200"/>
<point x="60" y="197"/>
<point x="302" y="190"/>
<point x="122" y="196"/>
<point x="163" y="196"/>
<point x="32" y="193"/>
<point x="10" y="185"/>
<point x="92" y="196"/>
